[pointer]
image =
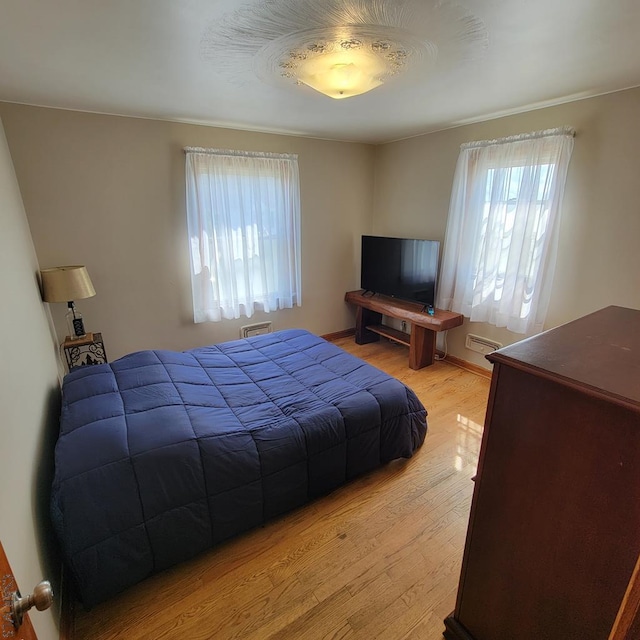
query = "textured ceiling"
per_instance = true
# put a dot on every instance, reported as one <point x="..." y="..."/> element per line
<point x="178" y="60"/>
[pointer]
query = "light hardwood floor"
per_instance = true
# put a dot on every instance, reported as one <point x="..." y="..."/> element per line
<point x="378" y="558"/>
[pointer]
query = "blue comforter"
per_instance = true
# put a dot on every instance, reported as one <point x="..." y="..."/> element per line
<point x="163" y="454"/>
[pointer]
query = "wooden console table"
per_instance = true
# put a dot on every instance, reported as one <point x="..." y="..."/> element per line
<point x="422" y="339"/>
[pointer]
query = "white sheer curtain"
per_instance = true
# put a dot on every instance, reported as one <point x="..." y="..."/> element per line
<point x="501" y="240"/>
<point x="243" y="212"/>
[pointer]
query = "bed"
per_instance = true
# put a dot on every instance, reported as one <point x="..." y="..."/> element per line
<point x="163" y="454"/>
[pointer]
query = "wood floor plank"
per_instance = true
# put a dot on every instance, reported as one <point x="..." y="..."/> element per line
<point x="376" y="559"/>
<point x="417" y="602"/>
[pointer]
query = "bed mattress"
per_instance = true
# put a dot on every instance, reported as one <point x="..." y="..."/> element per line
<point x="163" y="454"/>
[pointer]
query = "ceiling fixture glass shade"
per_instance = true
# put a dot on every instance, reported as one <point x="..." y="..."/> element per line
<point x="342" y="48"/>
<point x="341" y="74"/>
<point x="343" y="62"/>
<point x="338" y="78"/>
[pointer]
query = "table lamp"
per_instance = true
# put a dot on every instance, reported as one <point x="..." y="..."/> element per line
<point x="66" y="284"/>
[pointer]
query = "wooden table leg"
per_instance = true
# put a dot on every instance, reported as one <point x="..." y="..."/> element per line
<point x="366" y="317"/>
<point x="422" y="350"/>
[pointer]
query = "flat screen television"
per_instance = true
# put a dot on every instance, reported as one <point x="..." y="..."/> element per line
<point x="400" y="267"/>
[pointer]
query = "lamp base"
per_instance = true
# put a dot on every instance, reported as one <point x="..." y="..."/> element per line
<point x="86" y="337"/>
<point x="75" y="323"/>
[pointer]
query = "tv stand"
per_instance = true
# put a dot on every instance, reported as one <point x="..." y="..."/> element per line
<point x="422" y="339"/>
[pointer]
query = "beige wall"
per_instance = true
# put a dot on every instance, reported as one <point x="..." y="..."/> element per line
<point x="29" y="402"/>
<point x="599" y="249"/>
<point x="108" y="192"/>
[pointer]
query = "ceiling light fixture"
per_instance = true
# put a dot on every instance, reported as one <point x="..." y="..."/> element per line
<point x="344" y="62"/>
<point x="341" y="48"/>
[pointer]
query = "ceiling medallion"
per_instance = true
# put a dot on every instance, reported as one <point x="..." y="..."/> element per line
<point x="342" y="48"/>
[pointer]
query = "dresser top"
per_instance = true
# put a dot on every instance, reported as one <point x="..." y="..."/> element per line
<point x="599" y="352"/>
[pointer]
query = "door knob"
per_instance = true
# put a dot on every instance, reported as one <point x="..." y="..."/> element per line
<point x="41" y="599"/>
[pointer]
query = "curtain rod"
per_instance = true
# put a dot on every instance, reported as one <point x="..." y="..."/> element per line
<point x="242" y="154"/>
<point x="534" y="135"/>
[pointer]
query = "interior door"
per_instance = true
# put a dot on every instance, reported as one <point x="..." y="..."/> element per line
<point x="8" y="587"/>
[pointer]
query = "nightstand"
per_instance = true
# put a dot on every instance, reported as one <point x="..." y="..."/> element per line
<point x="84" y="351"/>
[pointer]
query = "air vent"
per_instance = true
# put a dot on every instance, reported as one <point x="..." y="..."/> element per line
<point x="480" y="344"/>
<point x="258" y="329"/>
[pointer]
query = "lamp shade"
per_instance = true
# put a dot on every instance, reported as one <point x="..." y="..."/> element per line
<point x="64" y="284"/>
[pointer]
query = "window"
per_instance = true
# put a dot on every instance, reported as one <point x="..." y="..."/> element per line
<point x="243" y="212"/>
<point x="500" y="246"/>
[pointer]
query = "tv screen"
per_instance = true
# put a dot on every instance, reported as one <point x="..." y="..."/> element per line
<point x="400" y="267"/>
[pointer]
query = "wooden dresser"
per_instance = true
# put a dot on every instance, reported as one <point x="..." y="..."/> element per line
<point x="554" y="530"/>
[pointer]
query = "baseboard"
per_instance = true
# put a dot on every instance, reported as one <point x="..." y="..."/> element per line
<point x="345" y="333"/>
<point x="458" y="362"/>
<point x="467" y="366"/>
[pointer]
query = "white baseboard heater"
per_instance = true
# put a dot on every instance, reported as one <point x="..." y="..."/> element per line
<point x="257" y="329"/>
<point x="480" y="344"/>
